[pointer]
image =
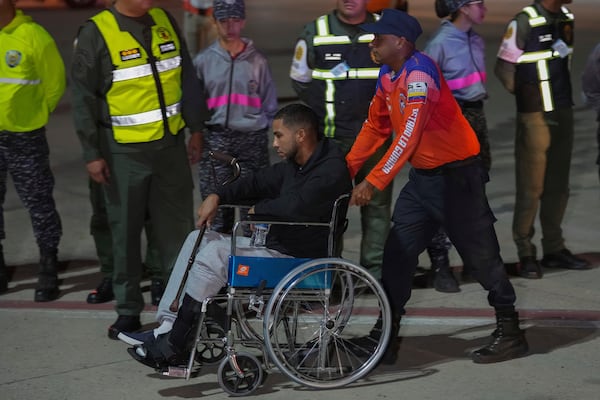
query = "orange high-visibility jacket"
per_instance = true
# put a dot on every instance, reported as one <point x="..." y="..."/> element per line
<point x="417" y="104"/>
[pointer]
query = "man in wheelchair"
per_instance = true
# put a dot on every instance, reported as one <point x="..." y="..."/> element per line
<point x="301" y="188"/>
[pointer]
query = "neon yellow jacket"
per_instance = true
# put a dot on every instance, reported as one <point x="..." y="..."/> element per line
<point x="32" y="75"/>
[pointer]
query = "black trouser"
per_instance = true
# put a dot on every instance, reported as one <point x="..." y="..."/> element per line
<point x="455" y="199"/>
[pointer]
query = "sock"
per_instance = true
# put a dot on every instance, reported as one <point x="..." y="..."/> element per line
<point x="164" y="327"/>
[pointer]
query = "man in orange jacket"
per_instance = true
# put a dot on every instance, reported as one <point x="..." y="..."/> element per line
<point x="446" y="185"/>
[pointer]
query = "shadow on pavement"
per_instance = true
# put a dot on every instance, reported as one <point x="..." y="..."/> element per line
<point x="423" y="278"/>
<point x="418" y="357"/>
<point x="419" y="352"/>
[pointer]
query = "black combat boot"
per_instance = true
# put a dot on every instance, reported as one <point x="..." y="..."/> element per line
<point x="507" y="341"/>
<point x="390" y="354"/>
<point x="443" y="278"/>
<point x="367" y="344"/>
<point x="103" y="293"/>
<point x="47" y="286"/>
<point x="3" y="273"/>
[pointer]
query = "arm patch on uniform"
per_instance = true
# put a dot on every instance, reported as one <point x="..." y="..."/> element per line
<point x="509" y="51"/>
<point x="417" y="92"/>
<point x="300" y="70"/>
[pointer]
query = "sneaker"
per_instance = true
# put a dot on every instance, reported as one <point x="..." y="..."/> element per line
<point x="444" y="281"/>
<point x="124" y="323"/>
<point x="136" y="338"/>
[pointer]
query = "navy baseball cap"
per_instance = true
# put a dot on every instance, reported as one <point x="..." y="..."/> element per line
<point x="395" y="22"/>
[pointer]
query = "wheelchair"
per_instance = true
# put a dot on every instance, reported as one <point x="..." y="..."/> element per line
<point x="324" y="323"/>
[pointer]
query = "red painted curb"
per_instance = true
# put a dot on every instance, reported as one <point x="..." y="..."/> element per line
<point x="433" y="312"/>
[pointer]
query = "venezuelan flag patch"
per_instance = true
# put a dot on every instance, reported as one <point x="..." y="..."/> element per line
<point x="417" y="92"/>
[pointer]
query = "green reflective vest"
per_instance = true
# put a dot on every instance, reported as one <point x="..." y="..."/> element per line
<point x="134" y="101"/>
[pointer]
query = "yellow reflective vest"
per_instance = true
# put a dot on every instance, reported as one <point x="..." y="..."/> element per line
<point x="134" y="100"/>
<point x="32" y="75"/>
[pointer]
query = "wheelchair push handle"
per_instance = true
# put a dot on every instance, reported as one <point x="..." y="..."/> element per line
<point x="227" y="159"/>
<point x="224" y="157"/>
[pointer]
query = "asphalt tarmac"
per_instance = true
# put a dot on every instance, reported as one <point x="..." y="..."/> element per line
<point x="59" y="350"/>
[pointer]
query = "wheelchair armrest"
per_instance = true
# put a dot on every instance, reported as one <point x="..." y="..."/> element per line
<point x="264" y="217"/>
<point x="337" y="224"/>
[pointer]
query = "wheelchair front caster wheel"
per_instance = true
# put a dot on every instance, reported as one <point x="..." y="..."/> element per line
<point x="240" y="374"/>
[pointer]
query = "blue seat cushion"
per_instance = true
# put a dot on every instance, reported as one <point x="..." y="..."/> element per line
<point x="248" y="272"/>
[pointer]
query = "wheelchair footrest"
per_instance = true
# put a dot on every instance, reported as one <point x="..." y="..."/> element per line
<point x="175" y="372"/>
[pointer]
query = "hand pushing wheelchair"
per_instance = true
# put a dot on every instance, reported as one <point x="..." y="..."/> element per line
<point x="324" y="323"/>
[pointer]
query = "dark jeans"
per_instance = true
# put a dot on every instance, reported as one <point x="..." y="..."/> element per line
<point x="454" y="199"/>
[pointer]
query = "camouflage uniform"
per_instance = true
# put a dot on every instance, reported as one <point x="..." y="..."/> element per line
<point x="25" y="156"/>
<point x="251" y="150"/>
<point x="476" y="118"/>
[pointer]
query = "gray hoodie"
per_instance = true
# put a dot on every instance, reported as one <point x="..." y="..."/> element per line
<point x="240" y="92"/>
<point x="460" y="56"/>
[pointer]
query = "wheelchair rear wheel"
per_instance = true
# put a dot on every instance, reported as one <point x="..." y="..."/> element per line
<point x="319" y="322"/>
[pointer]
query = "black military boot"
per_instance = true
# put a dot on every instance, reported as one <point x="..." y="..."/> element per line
<point x="103" y="293"/>
<point x="47" y="286"/>
<point x="390" y="354"/>
<point x="367" y="344"/>
<point x="507" y="341"/>
<point x="443" y="278"/>
<point x="3" y="273"/>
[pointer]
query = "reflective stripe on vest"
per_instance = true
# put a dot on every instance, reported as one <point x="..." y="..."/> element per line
<point x="20" y="81"/>
<point x="541" y="58"/>
<point x="146" y="117"/>
<point x="146" y="69"/>
<point x="133" y="99"/>
<point x="324" y="37"/>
